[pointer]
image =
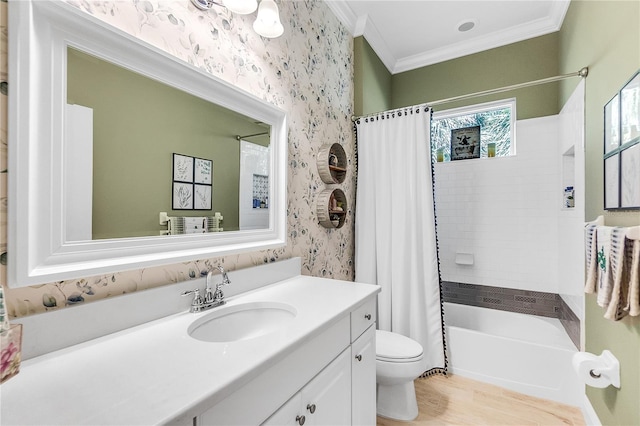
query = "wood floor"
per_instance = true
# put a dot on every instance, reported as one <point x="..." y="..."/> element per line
<point x="456" y="400"/>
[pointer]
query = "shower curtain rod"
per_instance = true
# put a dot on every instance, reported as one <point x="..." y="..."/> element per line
<point x="238" y="137"/>
<point x="582" y="73"/>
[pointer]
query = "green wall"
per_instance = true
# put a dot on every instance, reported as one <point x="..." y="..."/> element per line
<point x="138" y="125"/>
<point x="605" y="36"/>
<point x="503" y="66"/>
<point x="372" y="80"/>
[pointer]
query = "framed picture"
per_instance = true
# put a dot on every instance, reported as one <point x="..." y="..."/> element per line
<point x="202" y="197"/>
<point x="622" y="148"/>
<point x="611" y="182"/>
<point x="630" y="111"/>
<point x="611" y="120"/>
<point x="192" y="183"/>
<point x="465" y="143"/>
<point x="630" y="177"/>
<point x="182" y="168"/>
<point x="203" y="171"/>
<point x="182" y="198"/>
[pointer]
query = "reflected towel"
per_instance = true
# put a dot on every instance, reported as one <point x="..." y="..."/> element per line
<point x="193" y="225"/>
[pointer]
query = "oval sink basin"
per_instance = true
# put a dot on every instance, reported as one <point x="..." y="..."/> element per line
<point x="242" y="322"/>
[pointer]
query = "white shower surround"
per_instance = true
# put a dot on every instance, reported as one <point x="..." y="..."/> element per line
<point x="504" y="211"/>
<point x="508" y="211"/>
<point x="524" y="353"/>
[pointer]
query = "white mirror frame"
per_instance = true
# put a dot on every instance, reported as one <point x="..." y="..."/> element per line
<point x="39" y="34"/>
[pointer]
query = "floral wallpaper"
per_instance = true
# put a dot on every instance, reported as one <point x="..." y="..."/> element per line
<point x="308" y="72"/>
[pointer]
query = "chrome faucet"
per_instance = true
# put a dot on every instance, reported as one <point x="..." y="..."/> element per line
<point x="218" y="295"/>
<point x="212" y="298"/>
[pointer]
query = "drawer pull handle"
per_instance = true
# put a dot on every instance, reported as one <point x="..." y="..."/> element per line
<point x="311" y="408"/>
<point x="300" y="420"/>
<point x="367" y="316"/>
<point x="359" y="357"/>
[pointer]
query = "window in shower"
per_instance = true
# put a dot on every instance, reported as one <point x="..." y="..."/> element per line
<point x="497" y="126"/>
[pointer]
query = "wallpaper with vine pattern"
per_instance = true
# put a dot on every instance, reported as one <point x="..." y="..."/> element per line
<point x="308" y="72"/>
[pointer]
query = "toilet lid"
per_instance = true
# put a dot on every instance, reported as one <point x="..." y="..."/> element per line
<point x="395" y="347"/>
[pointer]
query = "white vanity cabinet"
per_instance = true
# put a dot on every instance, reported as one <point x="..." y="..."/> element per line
<point x="330" y="380"/>
<point x="323" y="359"/>
<point x="363" y="364"/>
<point x="323" y="401"/>
<point x="363" y="379"/>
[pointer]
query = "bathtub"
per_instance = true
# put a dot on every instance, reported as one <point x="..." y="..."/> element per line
<point x="525" y="353"/>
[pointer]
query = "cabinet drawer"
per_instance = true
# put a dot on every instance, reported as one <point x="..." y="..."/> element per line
<point x="362" y="317"/>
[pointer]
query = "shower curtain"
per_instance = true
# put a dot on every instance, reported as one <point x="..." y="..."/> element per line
<point x="395" y="230"/>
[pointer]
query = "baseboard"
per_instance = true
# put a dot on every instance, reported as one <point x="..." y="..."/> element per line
<point x="589" y="414"/>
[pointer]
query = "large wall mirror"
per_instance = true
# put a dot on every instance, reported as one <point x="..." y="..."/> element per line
<point x="101" y="125"/>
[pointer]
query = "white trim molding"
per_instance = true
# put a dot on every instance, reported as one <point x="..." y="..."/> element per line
<point x="40" y="252"/>
<point x="590" y="416"/>
<point x="395" y="65"/>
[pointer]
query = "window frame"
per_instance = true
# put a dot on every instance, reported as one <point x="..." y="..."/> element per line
<point x="480" y="108"/>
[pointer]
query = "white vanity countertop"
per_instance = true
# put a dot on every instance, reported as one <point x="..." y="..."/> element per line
<point x="152" y="373"/>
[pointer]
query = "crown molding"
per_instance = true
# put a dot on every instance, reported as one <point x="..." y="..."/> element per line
<point x="539" y="27"/>
<point x="379" y="45"/>
<point x="345" y="14"/>
<point x="358" y="26"/>
<point x="362" y="26"/>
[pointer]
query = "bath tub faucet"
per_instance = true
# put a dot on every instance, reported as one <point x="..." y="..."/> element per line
<point x="212" y="298"/>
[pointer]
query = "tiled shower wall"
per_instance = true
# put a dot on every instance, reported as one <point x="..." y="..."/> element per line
<point x="514" y="300"/>
<point x="505" y="213"/>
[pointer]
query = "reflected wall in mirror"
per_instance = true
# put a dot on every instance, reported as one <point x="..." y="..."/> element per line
<point x="50" y="238"/>
<point x="138" y="123"/>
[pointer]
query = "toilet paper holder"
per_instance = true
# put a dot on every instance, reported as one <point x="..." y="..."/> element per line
<point x="604" y="369"/>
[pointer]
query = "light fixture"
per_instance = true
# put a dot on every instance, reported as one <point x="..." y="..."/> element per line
<point x="267" y="23"/>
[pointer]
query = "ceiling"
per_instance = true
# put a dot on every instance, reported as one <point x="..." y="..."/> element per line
<point x="415" y="33"/>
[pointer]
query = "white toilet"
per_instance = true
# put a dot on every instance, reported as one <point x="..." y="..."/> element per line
<point x="399" y="361"/>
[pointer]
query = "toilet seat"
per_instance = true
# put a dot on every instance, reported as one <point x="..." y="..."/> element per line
<point x="394" y="347"/>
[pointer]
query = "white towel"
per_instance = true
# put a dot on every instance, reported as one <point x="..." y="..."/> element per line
<point x="619" y="262"/>
<point x="603" y="260"/>
<point x="633" y="299"/>
<point x="613" y="268"/>
<point x="591" y="255"/>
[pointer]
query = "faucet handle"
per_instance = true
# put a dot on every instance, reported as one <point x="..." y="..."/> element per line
<point x="195" y="292"/>
<point x="197" y="302"/>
